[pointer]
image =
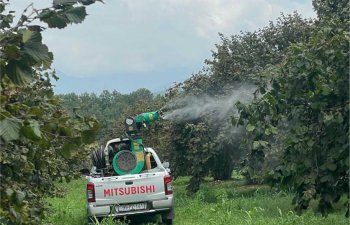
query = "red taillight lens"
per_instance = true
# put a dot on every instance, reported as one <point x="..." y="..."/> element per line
<point x="167" y="185"/>
<point x="90" y="191"/>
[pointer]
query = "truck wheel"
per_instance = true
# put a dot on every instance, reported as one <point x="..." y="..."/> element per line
<point x="167" y="221"/>
<point x="167" y="217"/>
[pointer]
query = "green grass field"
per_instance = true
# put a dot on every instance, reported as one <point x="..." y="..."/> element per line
<point x="227" y="202"/>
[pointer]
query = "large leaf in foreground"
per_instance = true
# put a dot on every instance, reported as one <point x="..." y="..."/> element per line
<point x="76" y="15"/>
<point x="34" y="47"/>
<point x="9" y="129"/>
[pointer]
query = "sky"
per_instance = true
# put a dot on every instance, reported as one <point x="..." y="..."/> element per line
<point x="125" y="45"/>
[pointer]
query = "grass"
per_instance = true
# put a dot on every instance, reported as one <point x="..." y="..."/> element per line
<point x="226" y="202"/>
<point x="71" y="209"/>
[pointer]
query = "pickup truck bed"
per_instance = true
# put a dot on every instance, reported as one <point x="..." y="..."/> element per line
<point x="118" y="196"/>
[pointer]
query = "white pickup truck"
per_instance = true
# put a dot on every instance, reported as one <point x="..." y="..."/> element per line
<point x="150" y="191"/>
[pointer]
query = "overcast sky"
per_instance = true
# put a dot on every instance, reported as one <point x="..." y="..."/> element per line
<point x="124" y="45"/>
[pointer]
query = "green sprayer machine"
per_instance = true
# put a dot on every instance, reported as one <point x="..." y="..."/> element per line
<point x="125" y="155"/>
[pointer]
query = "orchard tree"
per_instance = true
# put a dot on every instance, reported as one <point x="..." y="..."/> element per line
<point x="204" y="147"/>
<point x="308" y="96"/>
<point x="40" y="143"/>
<point x="107" y="107"/>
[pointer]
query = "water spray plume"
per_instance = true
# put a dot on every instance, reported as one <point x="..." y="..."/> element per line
<point x="189" y="108"/>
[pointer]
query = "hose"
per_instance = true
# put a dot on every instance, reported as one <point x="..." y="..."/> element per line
<point x="98" y="158"/>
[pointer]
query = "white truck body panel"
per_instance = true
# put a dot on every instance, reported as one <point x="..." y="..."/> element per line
<point x="129" y="188"/>
<point x="131" y="191"/>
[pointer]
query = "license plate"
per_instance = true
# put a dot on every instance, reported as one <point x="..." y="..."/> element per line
<point x="132" y="207"/>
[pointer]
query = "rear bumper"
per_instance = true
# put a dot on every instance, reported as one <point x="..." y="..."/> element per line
<point x="107" y="210"/>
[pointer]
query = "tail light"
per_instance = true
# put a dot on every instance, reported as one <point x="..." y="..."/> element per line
<point x="167" y="185"/>
<point x="90" y="191"/>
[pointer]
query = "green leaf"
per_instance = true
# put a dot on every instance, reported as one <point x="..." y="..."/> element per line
<point x="273" y="129"/>
<point x="88" y="136"/>
<point x="32" y="131"/>
<point x="19" y="197"/>
<point x="9" y="191"/>
<point x="65" y="131"/>
<point x="94" y="125"/>
<point x="36" y="127"/>
<point x="71" y="2"/>
<point x="326" y="90"/>
<point x="256" y="145"/>
<point x="24" y="157"/>
<point x="301" y="129"/>
<point x="66" y="150"/>
<point x="4" y="114"/>
<point x="250" y="128"/>
<point x="18" y="72"/>
<point x="34" y="47"/>
<point x="264" y="143"/>
<point x="6" y="21"/>
<point x="240" y="106"/>
<point x="36" y="111"/>
<point x="9" y="129"/>
<point x="327" y="117"/>
<point x="331" y="166"/>
<point x="310" y="143"/>
<point x="53" y="19"/>
<point x="339" y="117"/>
<point x="2" y="8"/>
<point x="63" y="2"/>
<point x="12" y="52"/>
<point x="60" y="19"/>
<point x="76" y="14"/>
<point x="89" y="2"/>
<point x="326" y="178"/>
<point x="47" y="64"/>
<point x="28" y="167"/>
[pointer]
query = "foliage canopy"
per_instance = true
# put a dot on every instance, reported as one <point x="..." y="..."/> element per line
<point x="40" y="143"/>
<point x="308" y="100"/>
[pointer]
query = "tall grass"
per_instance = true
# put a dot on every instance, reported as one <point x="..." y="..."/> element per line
<point x="227" y="202"/>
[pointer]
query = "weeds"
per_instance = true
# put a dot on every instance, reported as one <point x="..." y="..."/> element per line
<point x="225" y="202"/>
<point x="110" y="221"/>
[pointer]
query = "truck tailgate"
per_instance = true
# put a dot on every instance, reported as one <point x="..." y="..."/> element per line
<point x="129" y="188"/>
